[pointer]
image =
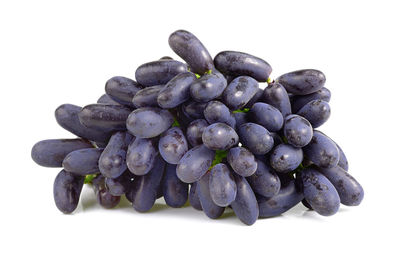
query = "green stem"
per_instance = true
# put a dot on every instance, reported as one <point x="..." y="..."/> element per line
<point x="219" y="156"/>
<point x="89" y="178"/>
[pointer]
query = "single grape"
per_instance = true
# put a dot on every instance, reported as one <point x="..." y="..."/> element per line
<point x="322" y="151"/>
<point x="189" y="48"/>
<point x="112" y="162"/>
<point x="83" y="161"/>
<point x="51" y="153"/>
<point x="275" y="95"/>
<point x="219" y="136"/>
<point x="217" y="112"/>
<point x="103" y="195"/>
<point x="194" y="197"/>
<point x="104" y="117"/>
<point x="288" y="196"/>
<point x="173" y="145"/>
<point x="174" y="190"/>
<point x="176" y="91"/>
<point x="239" y="92"/>
<point x="149" y="122"/>
<point x="107" y="100"/>
<point x="286" y="158"/>
<point x="145" y="187"/>
<point x="195" y="131"/>
<point x="122" y="89"/>
<point x="302" y="82"/>
<point x="267" y="116"/>
<point x="242" y="161"/>
<point x="242" y="64"/>
<point x="350" y="191"/>
<point x="159" y="72"/>
<point x="317" y="112"/>
<point x="194" y="164"/>
<point x="245" y="204"/>
<point x="298" y="101"/>
<point x="222" y="185"/>
<point x="212" y="210"/>
<point x="141" y="155"/>
<point x="264" y="181"/>
<point x="67" y="117"/>
<point x="319" y="192"/>
<point x="208" y="87"/>
<point x="297" y="130"/>
<point x="67" y="190"/>
<point x="147" y="97"/>
<point x="256" y="138"/>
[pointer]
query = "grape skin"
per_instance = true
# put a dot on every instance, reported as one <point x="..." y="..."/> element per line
<point x="208" y="87"/>
<point x="319" y="192"/>
<point x="174" y="190"/>
<point x="83" y="161"/>
<point x="103" y="195"/>
<point x="195" y="131"/>
<point x="256" y="138"/>
<point x="158" y="72"/>
<point x="173" y="145"/>
<point x="147" y="97"/>
<point x="267" y="116"/>
<point x="302" y="82"/>
<point x="322" y="151"/>
<point x="298" y="101"/>
<point x="242" y="161"/>
<point x="245" y="205"/>
<point x="317" y="112"/>
<point x="217" y="112"/>
<point x="66" y="191"/>
<point x="212" y="210"/>
<point x="122" y="89"/>
<point x="194" y="109"/>
<point x="239" y="92"/>
<point x="51" y="153"/>
<point x="286" y="158"/>
<point x="120" y="185"/>
<point x="219" y="136"/>
<point x="107" y="100"/>
<point x="297" y="130"/>
<point x="194" y="197"/>
<point x="264" y="181"/>
<point x="222" y="185"/>
<point x="141" y="156"/>
<point x="276" y="95"/>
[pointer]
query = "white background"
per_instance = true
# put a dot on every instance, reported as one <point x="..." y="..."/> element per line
<point x="54" y="52"/>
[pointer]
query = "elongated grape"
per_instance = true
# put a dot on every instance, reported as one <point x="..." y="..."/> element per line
<point x="342" y="159"/>
<point x="242" y="161"/>
<point x="147" y="97"/>
<point x="122" y="89"/>
<point x="195" y="131"/>
<point x="302" y="82"/>
<point x="51" y="153"/>
<point x="264" y="181"/>
<point x="242" y="64"/>
<point x="319" y="192"/>
<point x="145" y="187"/>
<point x="104" y="117"/>
<point x="189" y="48"/>
<point x="194" y="164"/>
<point x="174" y="190"/>
<point x="173" y="145"/>
<point x="141" y="156"/>
<point x="317" y="112"/>
<point x="176" y="91"/>
<point x="219" y="136"/>
<point x="107" y="100"/>
<point x="194" y="197"/>
<point x="240" y="118"/>
<point x="67" y="190"/>
<point x="256" y="138"/>
<point x="149" y="122"/>
<point x="297" y="130"/>
<point x="276" y="95"/>
<point x="120" y="185"/>
<point x="222" y="185"/>
<point x="267" y="116"/>
<point x="298" y="101"/>
<point x="83" y="161"/>
<point x="245" y="205"/>
<point x="67" y="117"/>
<point x="286" y="158"/>
<point x="194" y="109"/>
<point x="212" y="210"/>
<point x="239" y="92"/>
<point x="288" y="196"/>
<point x="217" y="112"/>
<point x="208" y="87"/>
<point x="112" y="162"/>
<point x="350" y="191"/>
<point x="256" y="98"/>
<point x="159" y="72"/>
<point x="322" y="151"/>
<point x="103" y="195"/>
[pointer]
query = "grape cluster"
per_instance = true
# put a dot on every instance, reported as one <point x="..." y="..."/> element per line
<point x="206" y="131"/>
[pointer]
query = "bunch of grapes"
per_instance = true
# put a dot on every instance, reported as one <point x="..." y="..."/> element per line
<point x="206" y="131"/>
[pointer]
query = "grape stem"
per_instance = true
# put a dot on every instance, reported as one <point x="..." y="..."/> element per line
<point x="219" y="156"/>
